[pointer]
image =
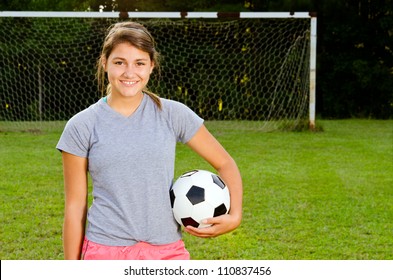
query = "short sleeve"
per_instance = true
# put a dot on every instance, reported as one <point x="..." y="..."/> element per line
<point x="185" y="122"/>
<point x="75" y="138"/>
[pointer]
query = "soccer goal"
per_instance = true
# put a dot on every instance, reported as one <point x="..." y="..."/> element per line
<point x="250" y="67"/>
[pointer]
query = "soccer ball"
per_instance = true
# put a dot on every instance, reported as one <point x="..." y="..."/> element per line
<point x="197" y="195"/>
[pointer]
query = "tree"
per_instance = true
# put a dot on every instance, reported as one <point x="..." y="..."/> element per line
<point x="355" y="60"/>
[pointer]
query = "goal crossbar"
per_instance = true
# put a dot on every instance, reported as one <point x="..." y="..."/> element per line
<point x="156" y="14"/>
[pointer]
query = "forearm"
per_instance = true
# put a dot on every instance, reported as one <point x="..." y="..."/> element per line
<point x="229" y="172"/>
<point x="211" y="150"/>
<point x="73" y="233"/>
<point x="75" y="186"/>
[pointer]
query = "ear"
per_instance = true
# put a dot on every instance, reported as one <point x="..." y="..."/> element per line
<point x="152" y="67"/>
<point x="103" y="63"/>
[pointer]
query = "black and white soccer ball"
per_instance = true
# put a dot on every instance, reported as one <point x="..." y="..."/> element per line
<point x="197" y="195"/>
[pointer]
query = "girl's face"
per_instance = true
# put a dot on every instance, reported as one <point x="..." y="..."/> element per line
<point x="128" y="70"/>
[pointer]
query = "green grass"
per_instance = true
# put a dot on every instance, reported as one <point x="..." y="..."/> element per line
<point x="323" y="195"/>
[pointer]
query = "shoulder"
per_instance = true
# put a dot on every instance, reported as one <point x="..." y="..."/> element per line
<point x="184" y="121"/>
<point x="86" y="117"/>
<point x="176" y="111"/>
<point x="172" y="106"/>
<point x="169" y="102"/>
<point x="76" y="136"/>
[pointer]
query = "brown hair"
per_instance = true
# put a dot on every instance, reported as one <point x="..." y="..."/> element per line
<point x="138" y="36"/>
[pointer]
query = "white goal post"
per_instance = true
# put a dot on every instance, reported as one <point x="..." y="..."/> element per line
<point x="253" y="66"/>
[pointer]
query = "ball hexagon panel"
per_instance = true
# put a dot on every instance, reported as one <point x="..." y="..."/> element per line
<point x="216" y="195"/>
<point x="202" y="211"/>
<point x="182" y="209"/>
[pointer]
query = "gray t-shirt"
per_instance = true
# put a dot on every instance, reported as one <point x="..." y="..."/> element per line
<point x="131" y="162"/>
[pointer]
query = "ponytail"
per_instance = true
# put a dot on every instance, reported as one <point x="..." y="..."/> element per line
<point x="156" y="99"/>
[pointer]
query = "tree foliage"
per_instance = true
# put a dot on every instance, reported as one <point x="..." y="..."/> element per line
<point x="356" y="59"/>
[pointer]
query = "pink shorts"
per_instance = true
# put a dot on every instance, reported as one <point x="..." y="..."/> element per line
<point x="139" y="251"/>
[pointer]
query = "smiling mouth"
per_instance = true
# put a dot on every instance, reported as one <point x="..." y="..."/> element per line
<point x="129" y="83"/>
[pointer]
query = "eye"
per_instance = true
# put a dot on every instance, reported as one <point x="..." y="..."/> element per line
<point x="119" y="62"/>
<point x="140" y="63"/>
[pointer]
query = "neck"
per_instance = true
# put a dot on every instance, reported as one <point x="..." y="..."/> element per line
<point x="125" y="106"/>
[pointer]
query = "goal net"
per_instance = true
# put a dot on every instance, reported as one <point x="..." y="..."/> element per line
<point x="255" y="70"/>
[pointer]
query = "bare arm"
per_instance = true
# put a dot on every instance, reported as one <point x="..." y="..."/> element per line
<point x="75" y="186"/>
<point x="212" y="151"/>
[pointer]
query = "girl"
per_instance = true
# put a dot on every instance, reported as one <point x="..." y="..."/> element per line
<point x="127" y="141"/>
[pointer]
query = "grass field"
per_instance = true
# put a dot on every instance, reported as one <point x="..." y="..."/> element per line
<point x="325" y="195"/>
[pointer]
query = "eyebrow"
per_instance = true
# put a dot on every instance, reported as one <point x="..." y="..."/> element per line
<point x="122" y="58"/>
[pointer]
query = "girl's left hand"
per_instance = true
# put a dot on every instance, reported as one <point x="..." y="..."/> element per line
<point x="219" y="225"/>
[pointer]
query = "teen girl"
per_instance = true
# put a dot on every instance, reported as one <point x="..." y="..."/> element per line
<point x="127" y="141"/>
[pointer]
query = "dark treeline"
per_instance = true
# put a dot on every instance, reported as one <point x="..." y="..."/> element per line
<point x="355" y="44"/>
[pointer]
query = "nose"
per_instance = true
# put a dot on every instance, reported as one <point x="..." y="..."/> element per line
<point x="128" y="71"/>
